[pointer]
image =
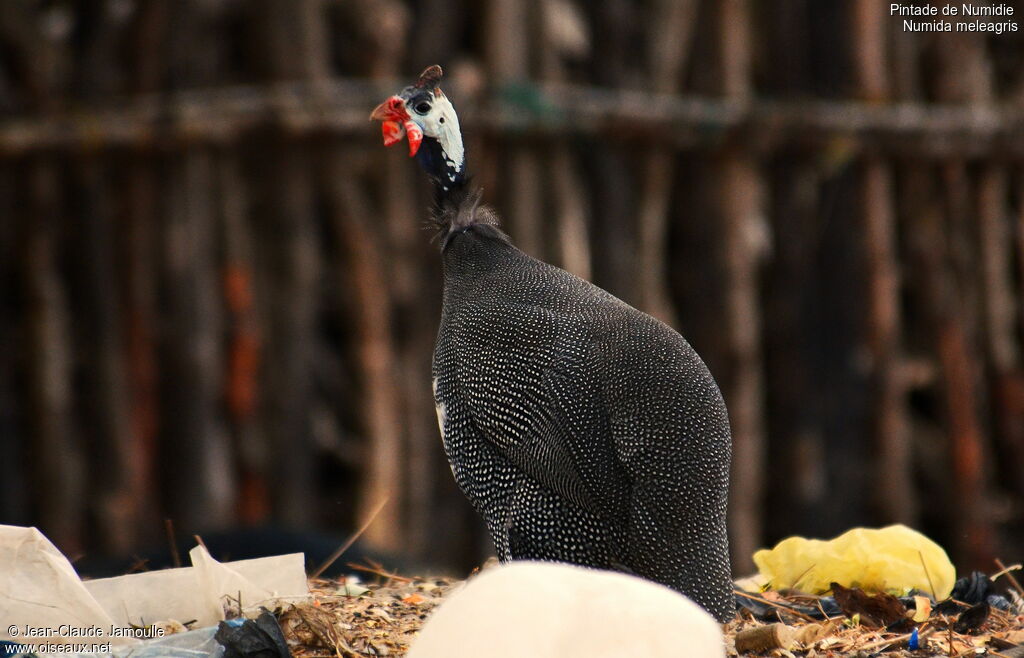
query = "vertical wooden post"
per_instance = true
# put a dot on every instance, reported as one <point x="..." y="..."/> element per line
<point x="140" y="260"/>
<point x="509" y="28"/>
<point x="608" y="172"/>
<point x="740" y="198"/>
<point x="1008" y="393"/>
<point x="929" y="260"/>
<point x="358" y="243"/>
<point x="671" y="29"/>
<point x="869" y="21"/>
<point x="291" y="36"/>
<point x="999" y="302"/>
<point x="893" y="478"/>
<point x="195" y="452"/>
<point x="963" y="74"/>
<point x="397" y="411"/>
<point x="99" y="325"/>
<point x="1002" y="307"/>
<point x="56" y="461"/>
<point x="798" y="439"/>
<point x="568" y="189"/>
<point x="244" y="345"/>
<point x="895" y="494"/>
<point x="14" y="489"/>
<point x="1018" y="244"/>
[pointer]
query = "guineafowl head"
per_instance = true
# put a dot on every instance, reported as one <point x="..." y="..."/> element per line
<point x="422" y="113"/>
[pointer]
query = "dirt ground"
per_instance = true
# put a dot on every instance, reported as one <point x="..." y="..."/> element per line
<point x="382" y="619"/>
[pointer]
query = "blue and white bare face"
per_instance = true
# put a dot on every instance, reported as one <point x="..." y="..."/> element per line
<point x="424" y="114"/>
<point x="436" y="117"/>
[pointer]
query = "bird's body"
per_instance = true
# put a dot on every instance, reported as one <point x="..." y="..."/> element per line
<point x="580" y="428"/>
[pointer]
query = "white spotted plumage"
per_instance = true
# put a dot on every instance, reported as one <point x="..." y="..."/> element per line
<point x="581" y="429"/>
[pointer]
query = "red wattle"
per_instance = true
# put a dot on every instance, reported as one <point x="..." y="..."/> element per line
<point x="415" y="137"/>
<point x="392" y="131"/>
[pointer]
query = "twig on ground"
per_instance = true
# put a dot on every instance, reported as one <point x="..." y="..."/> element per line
<point x="351" y="540"/>
<point x="1004" y="570"/>
<point x="787" y="608"/>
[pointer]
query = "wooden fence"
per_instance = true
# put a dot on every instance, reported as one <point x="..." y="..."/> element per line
<point x="217" y="303"/>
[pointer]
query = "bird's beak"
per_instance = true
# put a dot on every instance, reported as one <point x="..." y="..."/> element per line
<point x="393" y="109"/>
<point x="396" y="124"/>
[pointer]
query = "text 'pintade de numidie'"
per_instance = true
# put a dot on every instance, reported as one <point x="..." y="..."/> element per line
<point x="955" y="17"/>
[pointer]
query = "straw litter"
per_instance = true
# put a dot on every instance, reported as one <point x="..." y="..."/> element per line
<point x="382" y="619"/>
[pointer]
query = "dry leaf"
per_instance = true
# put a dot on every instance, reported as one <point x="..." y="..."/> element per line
<point x="877" y="610"/>
<point x="973" y="618"/>
<point x="923" y="609"/>
<point x="1015" y="636"/>
<point x="811" y="633"/>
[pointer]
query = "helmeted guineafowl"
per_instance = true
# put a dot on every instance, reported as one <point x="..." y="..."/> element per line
<point x="581" y="429"/>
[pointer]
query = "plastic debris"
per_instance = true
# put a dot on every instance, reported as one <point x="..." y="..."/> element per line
<point x="39" y="589"/>
<point x="894" y="559"/>
<point x="199" y="643"/>
<point x="261" y="638"/>
<point x="914" y="642"/>
<point x="972" y="589"/>
<point x="999" y="602"/>
<point x="977" y="588"/>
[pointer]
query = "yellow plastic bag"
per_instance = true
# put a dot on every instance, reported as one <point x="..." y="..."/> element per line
<point x="895" y="559"/>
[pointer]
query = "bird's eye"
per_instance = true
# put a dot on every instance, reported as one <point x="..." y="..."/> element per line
<point x="422" y="108"/>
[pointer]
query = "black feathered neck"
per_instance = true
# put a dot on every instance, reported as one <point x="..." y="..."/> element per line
<point x="439" y="166"/>
<point x="458" y="209"/>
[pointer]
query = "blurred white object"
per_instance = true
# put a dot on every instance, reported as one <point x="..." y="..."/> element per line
<point x="566" y="28"/>
<point x="548" y="610"/>
<point x="39" y="589"/>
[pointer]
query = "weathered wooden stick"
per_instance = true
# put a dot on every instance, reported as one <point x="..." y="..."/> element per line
<point x="99" y="323"/>
<point x="509" y="39"/>
<point x="568" y="188"/>
<point x="740" y="196"/>
<point x="56" y="460"/>
<point x="367" y="282"/>
<point x="762" y="639"/>
<point x="245" y="344"/>
<point x="168" y="121"/>
<point x="895" y="495"/>
<point x="998" y="298"/>
<point x="672" y="25"/>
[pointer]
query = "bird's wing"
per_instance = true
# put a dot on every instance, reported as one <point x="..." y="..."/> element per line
<point x="532" y="394"/>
